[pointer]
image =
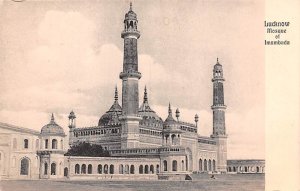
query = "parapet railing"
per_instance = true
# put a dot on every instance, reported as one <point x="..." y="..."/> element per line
<point x="146" y="151"/>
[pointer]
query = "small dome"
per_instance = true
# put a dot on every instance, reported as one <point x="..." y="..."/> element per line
<point x="169" y="120"/>
<point x="111" y="117"/>
<point x="130" y="15"/>
<point x="148" y="115"/>
<point x="52" y="128"/>
<point x="217" y="66"/>
<point x="72" y="115"/>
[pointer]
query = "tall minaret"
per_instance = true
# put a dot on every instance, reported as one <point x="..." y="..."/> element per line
<point x="130" y="81"/>
<point x="218" y="107"/>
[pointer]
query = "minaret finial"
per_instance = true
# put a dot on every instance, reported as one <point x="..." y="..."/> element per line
<point x="177" y="114"/>
<point x="145" y="95"/>
<point x="116" y="93"/>
<point x="130" y="9"/>
<point x="170" y="110"/>
<point x="217" y="60"/>
<point x="52" y="118"/>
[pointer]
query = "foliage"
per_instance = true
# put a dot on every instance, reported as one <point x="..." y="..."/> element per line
<point x="87" y="149"/>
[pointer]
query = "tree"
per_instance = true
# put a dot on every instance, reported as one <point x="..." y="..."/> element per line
<point x="87" y="149"/>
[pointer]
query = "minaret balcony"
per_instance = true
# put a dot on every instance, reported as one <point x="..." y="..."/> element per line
<point x="219" y="106"/>
<point x="130" y="32"/>
<point x="217" y="78"/>
<point x="130" y="74"/>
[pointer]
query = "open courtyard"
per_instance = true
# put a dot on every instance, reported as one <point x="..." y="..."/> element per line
<point x="234" y="182"/>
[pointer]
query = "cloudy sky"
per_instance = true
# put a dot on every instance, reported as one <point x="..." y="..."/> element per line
<point x="58" y="56"/>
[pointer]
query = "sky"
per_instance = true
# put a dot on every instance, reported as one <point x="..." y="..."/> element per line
<point x="58" y="56"/>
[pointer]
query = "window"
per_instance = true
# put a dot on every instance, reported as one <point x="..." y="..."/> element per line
<point x="205" y="165"/>
<point x="174" y="165"/>
<point x="90" y="169"/>
<point x="24" y="166"/>
<point x="83" y="169"/>
<point x="209" y="165"/>
<point x="54" y="144"/>
<point x="65" y="171"/>
<point x="46" y="144"/>
<point x="45" y="169"/>
<point x="111" y="169"/>
<point x="77" y="169"/>
<point x="141" y="169"/>
<point x="53" y="169"/>
<point x="200" y="165"/>
<point x="152" y="169"/>
<point x="25" y="143"/>
<point x="146" y="169"/>
<point x="132" y="169"/>
<point x="120" y="169"/>
<point x="214" y="165"/>
<point x="99" y="169"/>
<point x="105" y="169"/>
<point x="165" y="163"/>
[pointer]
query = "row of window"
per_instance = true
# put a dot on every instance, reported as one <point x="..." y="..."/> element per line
<point x="25" y="143"/>
<point x="244" y="169"/>
<point x="96" y="132"/>
<point x="174" y="165"/>
<point x="110" y="169"/>
<point x="37" y="143"/>
<point x="207" y="165"/>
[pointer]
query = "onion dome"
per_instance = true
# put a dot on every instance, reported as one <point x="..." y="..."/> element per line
<point x="130" y="15"/>
<point x="218" y="66"/>
<point x="170" y="118"/>
<point x="72" y="115"/>
<point x="111" y="117"/>
<point x="52" y="128"/>
<point x="148" y="115"/>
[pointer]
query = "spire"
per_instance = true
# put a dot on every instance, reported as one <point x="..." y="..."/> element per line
<point x="177" y="114"/>
<point x="145" y="95"/>
<point x="170" y="117"/>
<point x="116" y="93"/>
<point x="217" y="60"/>
<point x="52" y="119"/>
<point x="196" y="119"/>
<point x="170" y="110"/>
<point x="130" y="9"/>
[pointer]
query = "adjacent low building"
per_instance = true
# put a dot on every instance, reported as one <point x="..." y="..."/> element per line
<point x="246" y="166"/>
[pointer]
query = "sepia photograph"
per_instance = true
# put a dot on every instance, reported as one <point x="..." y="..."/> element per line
<point x="132" y="95"/>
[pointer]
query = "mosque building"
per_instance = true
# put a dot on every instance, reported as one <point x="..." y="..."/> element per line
<point x="141" y="144"/>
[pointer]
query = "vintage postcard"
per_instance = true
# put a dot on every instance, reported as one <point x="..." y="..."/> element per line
<point x="145" y="95"/>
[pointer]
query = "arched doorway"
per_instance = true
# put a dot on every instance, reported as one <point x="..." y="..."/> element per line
<point x="24" y="168"/>
<point x="174" y="165"/>
<point x="189" y="159"/>
<point x="53" y="169"/>
<point x="200" y="165"/>
<point x="66" y="171"/>
<point x="132" y="169"/>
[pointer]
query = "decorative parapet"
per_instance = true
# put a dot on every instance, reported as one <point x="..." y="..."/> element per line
<point x="147" y="151"/>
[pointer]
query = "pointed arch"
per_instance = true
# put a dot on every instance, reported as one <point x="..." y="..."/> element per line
<point x="200" y="165"/>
